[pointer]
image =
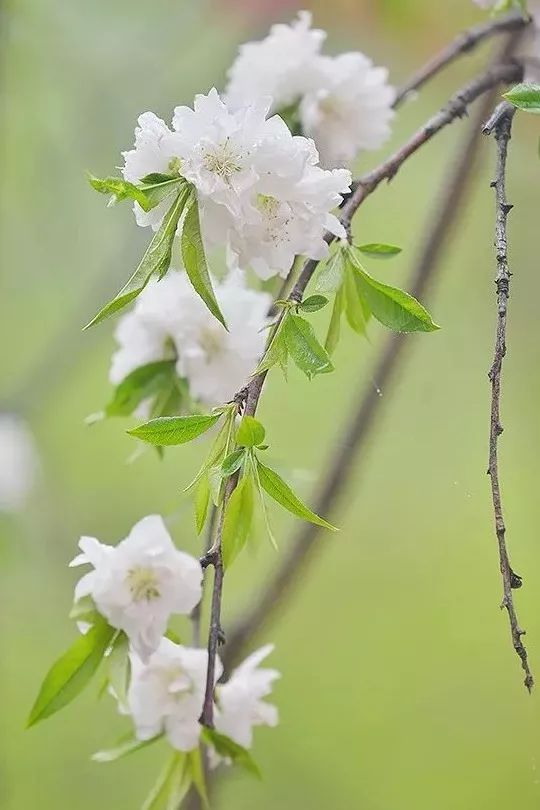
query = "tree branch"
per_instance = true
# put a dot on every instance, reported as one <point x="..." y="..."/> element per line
<point x="463" y="43"/>
<point x="358" y="429"/>
<point x="502" y="128"/>
<point x="456" y="108"/>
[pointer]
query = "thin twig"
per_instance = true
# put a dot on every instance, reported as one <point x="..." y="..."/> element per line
<point x="456" y="108"/>
<point x="197" y="610"/>
<point x="215" y="631"/>
<point x="502" y="129"/>
<point x="462" y="44"/>
<point x="359" y="427"/>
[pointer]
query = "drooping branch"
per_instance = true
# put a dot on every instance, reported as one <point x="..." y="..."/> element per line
<point x="302" y="550"/>
<point x="502" y="129"/>
<point x="456" y="108"/>
<point x="464" y="43"/>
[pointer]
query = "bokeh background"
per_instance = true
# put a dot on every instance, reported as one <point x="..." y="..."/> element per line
<point x="400" y="689"/>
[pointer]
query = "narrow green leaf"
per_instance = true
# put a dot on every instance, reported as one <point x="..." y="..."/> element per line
<point x="314" y="303"/>
<point x="156" y="261"/>
<point x="140" y="384"/>
<point x="394" y="308"/>
<point x="195" y="259"/>
<point x="120" y="189"/>
<point x="330" y="277"/>
<point x="250" y="432"/>
<point x="72" y="672"/>
<point x="219" y="448"/>
<point x="233" y="462"/>
<point x="171" y="786"/>
<point x="237" y="520"/>
<point x="123" y="749"/>
<point x="334" y="327"/>
<point x="158" y="177"/>
<point x="377" y="250"/>
<point x="525" y="97"/>
<point x="281" y="492"/>
<point x="157" y="190"/>
<point x="195" y="768"/>
<point x="119" y="668"/>
<point x="356" y="309"/>
<point x="171" y="430"/>
<point x="229" y="749"/>
<point x="276" y="353"/>
<point x="255" y="473"/>
<point x="202" y="500"/>
<point x="304" y="348"/>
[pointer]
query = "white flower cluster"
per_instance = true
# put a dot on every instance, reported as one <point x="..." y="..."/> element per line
<point x="137" y="586"/>
<point x="170" y="320"/>
<point x="260" y="190"/>
<point x="344" y="102"/>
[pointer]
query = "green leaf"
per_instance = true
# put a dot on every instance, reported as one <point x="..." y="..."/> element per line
<point x="202" y="499"/>
<point x="250" y="432"/>
<point x="394" y="308"/>
<point x="159" y="188"/>
<point x="119" y="668"/>
<point x="158" y="177"/>
<point x="525" y="96"/>
<point x="219" y="448"/>
<point x="237" y="520"/>
<point x="123" y="748"/>
<point x="142" y="383"/>
<point x="281" y="492"/>
<point x="172" y="785"/>
<point x="195" y="768"/>
<point x="356" y="309"/>
<point x="171" y="430"/>
<point x="255" y="473"/>
<point x="276" y="353"/>
<point x="120" y="189"/>
<point x="313" y="303"/>
<point x="233" y="462"/>
<point x="304" y="348"/>
<point x="330" y="277"/>
<point x="377" y="250"/>
<point x="156" y="261"/>
<point x="72" y="672"/>
<point x="195" y="259"/>
<point x="334" y="327"/>
<point x="229" y="749"/>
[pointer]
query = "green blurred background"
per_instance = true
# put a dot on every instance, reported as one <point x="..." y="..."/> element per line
<point x="400" y="689"/>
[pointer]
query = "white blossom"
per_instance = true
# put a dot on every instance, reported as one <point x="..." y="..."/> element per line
<point x="344" y="102"/>
<point x="18" y="462"/>
<point x="261" y="194"/>
<point x="149" y="155"/>
<point x="138" y="584"/>
<point x="166" y="694"/>
<point x="349" y="110"/>
<point x="239" y="702"/>
<point x="281" y="66"/>
<point x="170" y="320"/>
<point x="293" y="211"/>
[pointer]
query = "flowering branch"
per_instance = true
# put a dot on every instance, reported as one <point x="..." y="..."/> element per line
<point x="456" y="108"/>
<point x="360" y="425"/>
<point x="502" y="128"/>
<point x="464" y="43"/>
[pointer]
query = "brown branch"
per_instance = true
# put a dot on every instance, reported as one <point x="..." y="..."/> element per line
<point x="462" y="44"/>
<point x="359" y="428"/>
<point x="502" y="128"/>
<point x="197" y="610"/>
<point x="456" y="108"/>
